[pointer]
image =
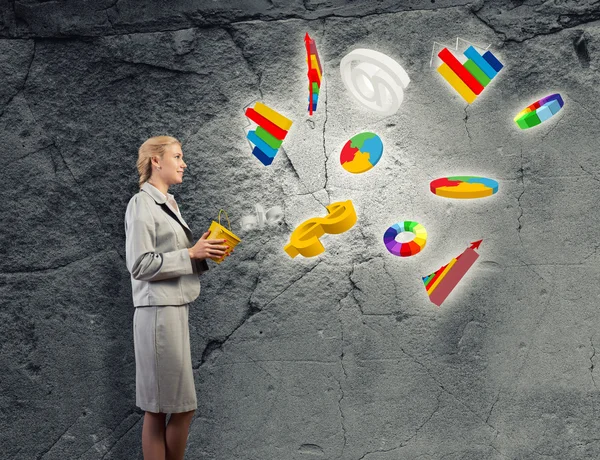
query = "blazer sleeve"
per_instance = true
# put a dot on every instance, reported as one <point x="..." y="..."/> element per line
<point x="201" y="266"/>
<point x="143" y="262"/>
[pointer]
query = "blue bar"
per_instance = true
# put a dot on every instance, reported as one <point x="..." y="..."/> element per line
<point x="262" y="145"/>
<point x="554" y="106"/>
<point x="264" y="159"/>
<point x="474" y="56"/>
<point x="491" y="60"/>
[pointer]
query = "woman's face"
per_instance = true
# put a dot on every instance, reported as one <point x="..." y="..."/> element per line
<point x="172" y="165"/>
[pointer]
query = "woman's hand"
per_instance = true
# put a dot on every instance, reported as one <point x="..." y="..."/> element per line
<point x="204" y="248"/>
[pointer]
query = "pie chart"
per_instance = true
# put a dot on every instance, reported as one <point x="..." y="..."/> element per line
<point x="361" y="153"/>
<point x="463" y="187"/>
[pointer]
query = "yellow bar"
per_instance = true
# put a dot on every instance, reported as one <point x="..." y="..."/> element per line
<point x="274" y="117"/>
<point x="522" y="112"/>
<point x="441" y="277"/>
<point x="315" y="65"/>
<point x="456" y="83"/>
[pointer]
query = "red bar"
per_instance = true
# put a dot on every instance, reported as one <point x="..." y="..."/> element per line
<point x="437" y="275"/>
<point x="261" y="121"/>
<point x="454" y="275"/>
<point x="313" y="75"/>
<point x="460" y="71"/>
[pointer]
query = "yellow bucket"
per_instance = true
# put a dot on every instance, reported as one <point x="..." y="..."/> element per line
<point x="218" y="232"/>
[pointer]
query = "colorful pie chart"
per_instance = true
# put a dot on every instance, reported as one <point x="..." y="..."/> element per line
<point x="361" y="153"/>
<point x="463" y="187"/>
<point x="409" y="248"/>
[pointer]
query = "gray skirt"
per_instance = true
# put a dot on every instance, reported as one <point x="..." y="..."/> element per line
<point x="164" y="381"/>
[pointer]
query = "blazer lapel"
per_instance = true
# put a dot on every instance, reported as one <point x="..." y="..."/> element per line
<point x="162" y="201"/>
<point x="177" y="216"/>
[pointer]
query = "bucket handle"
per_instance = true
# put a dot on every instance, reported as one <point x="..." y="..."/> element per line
<point x="229" y="223"/>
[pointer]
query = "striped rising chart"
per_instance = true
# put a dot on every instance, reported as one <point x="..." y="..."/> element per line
<point x="469" y="79"/>
<point x="315" y="73"/>
<point x="440" y="283"/>
<point x="268" y="136"/>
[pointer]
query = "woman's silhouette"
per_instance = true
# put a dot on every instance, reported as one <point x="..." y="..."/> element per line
<point x="164" y="264"/>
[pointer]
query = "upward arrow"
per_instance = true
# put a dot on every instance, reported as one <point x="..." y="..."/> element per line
<point x="308" y="60"/>
<point x="475" y="244"/>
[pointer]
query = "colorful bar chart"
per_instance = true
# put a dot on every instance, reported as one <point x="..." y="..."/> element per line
<point x="440" y="283"/>
<point x="469" y="79"/>
<point x="315" y="73"/>
<point x="270" y="132"/>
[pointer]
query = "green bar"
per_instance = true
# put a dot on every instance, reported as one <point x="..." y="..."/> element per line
<point x="270" y="140"/>
<point x="315" y="88"/>
<point x="409" y="226"/>
<point x="529" y="120"/>
<point x="479" y="74"/>
<point x="460" y="178"/>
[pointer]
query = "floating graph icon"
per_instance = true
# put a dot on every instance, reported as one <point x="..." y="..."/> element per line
<point x="539" y="111"/>
<point x="440" y="283"/>
<point x="315" y="73"/>
<point x="268" y="136"/>
<point x="469" y="79"/>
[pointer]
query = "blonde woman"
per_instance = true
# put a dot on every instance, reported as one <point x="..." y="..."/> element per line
<point x="164" y="264"/>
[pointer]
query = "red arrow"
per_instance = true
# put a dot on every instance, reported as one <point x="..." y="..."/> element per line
<point x="310" y="91"/>
<point x="475" y="244"/>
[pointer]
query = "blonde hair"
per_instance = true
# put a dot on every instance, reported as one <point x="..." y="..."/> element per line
<point x="155" y="146"/>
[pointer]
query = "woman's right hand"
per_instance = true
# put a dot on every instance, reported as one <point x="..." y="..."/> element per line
<point x="205" y="249"/>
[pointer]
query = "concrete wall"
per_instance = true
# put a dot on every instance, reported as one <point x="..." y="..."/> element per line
<point x="341" y="356"/>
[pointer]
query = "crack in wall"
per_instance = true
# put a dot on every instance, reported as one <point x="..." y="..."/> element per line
<point x="592" y="362"/>
<point x="58" y="267"/>
<point x="42" y="454"/>
<point x="121" y="437"/>
<point x="229" y="30"/>
<point x="429" y="373"/>
<point x="581" y="49"/>
<point x="493" y="405"/>
<point x="218" y="343"/>
<point x="561" y="19"/>
<point x="22" y="86"/>
<point x="342" y="419"/>
<point x="100" y="445"/>
<point x="324" y="148"/>
<point x="589" y="112"/>
<point x="466" y="118"/>
<point x="215" y="20"/>
<point x="521" y="172"/>
<point x="410" y="438"/>
<point x="162" y="68"/>
<point x="58" y="150"/>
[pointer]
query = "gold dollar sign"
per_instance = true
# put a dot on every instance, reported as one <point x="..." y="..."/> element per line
<point x="305" y="238"/>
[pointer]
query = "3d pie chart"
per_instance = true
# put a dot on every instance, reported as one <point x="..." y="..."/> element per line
<point x="463" y="187"/>
<point x="361" y="153"/>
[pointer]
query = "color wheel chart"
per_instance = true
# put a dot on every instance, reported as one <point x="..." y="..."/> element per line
<point x="539" y="111"/>
<point x="315" y="73"/>
<point x="469" y="79"/>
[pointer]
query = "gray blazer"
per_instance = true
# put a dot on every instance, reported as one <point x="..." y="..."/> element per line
<point x="157" y="239"/>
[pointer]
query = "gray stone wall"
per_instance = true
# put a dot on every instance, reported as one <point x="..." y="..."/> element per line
<point x="341" y="356"/>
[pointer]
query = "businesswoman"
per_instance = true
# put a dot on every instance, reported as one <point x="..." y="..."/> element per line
<point x="164" y="263"/>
